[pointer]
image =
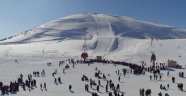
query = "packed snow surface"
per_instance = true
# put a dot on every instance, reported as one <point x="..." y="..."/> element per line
<point x="129" y="85"/>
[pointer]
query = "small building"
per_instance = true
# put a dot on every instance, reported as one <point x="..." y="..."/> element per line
<point x="99" y="58"/>
<point x="172" y="63"/>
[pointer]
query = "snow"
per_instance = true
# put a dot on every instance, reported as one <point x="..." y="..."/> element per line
<point x="34" y="56"/>
<point x="97" y="26"/>
<point x="130" y="84"/>
<point x="113" y="37"/>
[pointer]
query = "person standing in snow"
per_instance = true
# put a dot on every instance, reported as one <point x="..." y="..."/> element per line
<point x="106" y="88"/>
<point x="70" y="87"/>
<point x="41" y="87"/>
<point x="99" y="82"/>
<point x="167" y="86"/>
<point x="118" y="87"/>
<point x="156" y="76"/>
<point x="55" y="81"/>
<point x="122" y="94"/>
<point x="166" y="94"/>
<point x="143" y="92"/>
<point x="167" y="73"/>
<point x="63" y="70"/>
<point x="160" y="94"/>
<point x="110" y="93"/>
<point x="173" y="79"/>
<point x="119" y="78"/>
<point x="23" y="85"/>
<point x="59" y="80"/>
<point x="44" y="86"/>
<point x="87" y="87"/>
<point x="150" y="77"/>
<point x="43" y="73"/>
<point x="118" y="94"/>
<point x="98" y="88"/>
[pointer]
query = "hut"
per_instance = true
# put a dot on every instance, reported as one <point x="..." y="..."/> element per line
<point x="99" y="58"/>
<point x="172" y="63"/>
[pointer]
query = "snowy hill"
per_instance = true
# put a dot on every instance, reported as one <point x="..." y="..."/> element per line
<point x="96" y="26"/>
<point x="114" y="37"/>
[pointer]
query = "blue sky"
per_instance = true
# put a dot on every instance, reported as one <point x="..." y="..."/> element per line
<point x="19" y="15"/>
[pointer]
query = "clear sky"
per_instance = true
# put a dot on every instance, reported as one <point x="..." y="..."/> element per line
<point x="17" y="16"/>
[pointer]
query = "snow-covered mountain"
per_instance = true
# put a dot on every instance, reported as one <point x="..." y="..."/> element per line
<point x="97" y="26"/>
<point x="114" y="37"/>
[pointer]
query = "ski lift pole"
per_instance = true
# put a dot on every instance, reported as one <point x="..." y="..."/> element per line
<point x="84" y="55"/>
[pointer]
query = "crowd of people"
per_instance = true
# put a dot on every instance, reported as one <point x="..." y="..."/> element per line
<point x="111" y="88"/>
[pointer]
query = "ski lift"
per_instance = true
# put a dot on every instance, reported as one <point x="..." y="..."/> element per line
<point x="84" y="55"/>
<point x="153" y="59"/>
<point x="153" y="56"/>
